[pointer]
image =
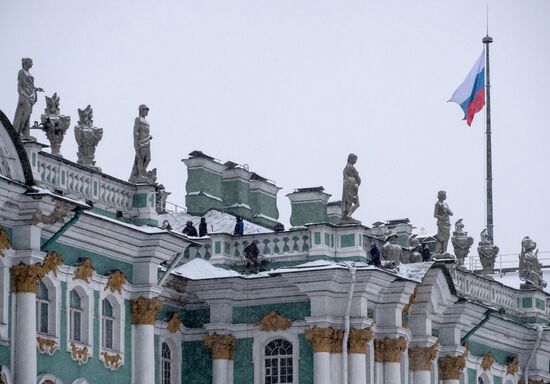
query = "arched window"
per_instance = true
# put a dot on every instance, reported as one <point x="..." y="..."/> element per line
<point x="75" y="333"/>
<point x="42" y="308"/>
<point x="166" y="364"/>
<point x="278" y="362"/>
<point x="108" y="324"/>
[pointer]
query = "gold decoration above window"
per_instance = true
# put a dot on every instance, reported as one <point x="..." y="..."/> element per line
<point x="487" y="361"/>
<point x="5" y="242"/>
<point x="46" y="345"/>
<point x="513" y="367"/>
<point x="111" y="362"/>
<point x="116" y="281"/>
<point x="84" y="271"/>
<point x="274" y="321"/>
<point x="174" y="324"/>
<point x="52" y="261"/>
<point x="80" y="355"/>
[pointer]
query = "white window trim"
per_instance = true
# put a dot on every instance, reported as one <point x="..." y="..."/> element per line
<point x="261" y="339"/>
<point x="118" y="326"/>
<point x="46" y="377"/>
<point x="87" y="304"/>
<point x="174" y="342"/>
<point x="4" y="299"/>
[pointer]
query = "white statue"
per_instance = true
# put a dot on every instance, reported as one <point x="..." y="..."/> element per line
<point x="530" y="269"/>
<point x="350" y="192"/>
<point x="142" y="146"/>
<point x="442" y="212"/>
<point x="27" y="99"/>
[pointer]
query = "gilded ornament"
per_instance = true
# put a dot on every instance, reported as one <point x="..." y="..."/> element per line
<point x="79" y="355"/>
<point x="487" y="361"/>
<point x="358" y="340"/>
<point x="336" y="341"/>
<point x="450" y="367"/>
<point x="274" y="321"/>
<point x="116" y="281"/>
<point x="24" y="277"/>
<point x="51" y="262"/>
<point x="111" y="362"/>
<point x="319" y="338"/>
<point x="46" y="345"/>
<point x="421" y="359"/>
<point x="389" y="350"/>
<point x="5" y="242"/>
<point x="222" y="346"/>
<point x="144" y="311"/>
<point x="537" y="381"/>
<point x="174" y="324"/>
<point x="512" y="367"/>
<point x="84" y="271"/>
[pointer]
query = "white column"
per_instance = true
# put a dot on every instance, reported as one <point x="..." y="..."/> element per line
<point x="357" y="368"/>
<point x="452" y="381"/>
<point x="421" y="363"/>
<point x="422" y="377"/>
<point x="25" y="370"/>
<point x="321" y="368"/>
<point x="144" y="354"/>
<point x="388" y="351"/>
<point x="392" y="373"/>
<point x="223" y="347"/>
<point x="336" y="366"/>
<point x="220" y="371"/>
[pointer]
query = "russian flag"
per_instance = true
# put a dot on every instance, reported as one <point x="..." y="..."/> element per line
<point x="470" y="95"/>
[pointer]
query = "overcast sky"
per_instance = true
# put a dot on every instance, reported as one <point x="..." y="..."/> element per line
<point x="291" y="87"/>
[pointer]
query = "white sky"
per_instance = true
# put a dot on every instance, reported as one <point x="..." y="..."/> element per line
<point x="291" y="87"/>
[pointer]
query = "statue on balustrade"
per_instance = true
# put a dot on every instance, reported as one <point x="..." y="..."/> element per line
<point x="350" y="192"/>
<point x="415" y="247"/>
<point x="54" y="124"/>
<point x="442" y="212"/>
<point x="391" y="252"/>
<point x="142" y="146"/>
<point x="530" y="269"/>
<point x="87" y="137"/>
<point x="27" y="98"/>
<point x="461" y="243"/>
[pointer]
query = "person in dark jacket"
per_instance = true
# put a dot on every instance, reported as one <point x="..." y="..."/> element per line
<point x="425" y="252"/>
<point x="239" y="227"/>
<point x="203" y="228"/>
<point x="375" y="256"/>
<point x="189" y="229"/>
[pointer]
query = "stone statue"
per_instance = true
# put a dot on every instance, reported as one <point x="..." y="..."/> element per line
<point x="54" y="124"/>
<point x="142" y="146"/>
<point x="415" y="248"/>
<point x="87" y="137"/>
<point x="442" y="212"/>
<point x="27" y="99"/>
<point x="530" y="269"/>
<point x="461" y="243"/>
<point x="391" y="251"/>
<point x="487" y="253"/>
<point x="350" y="193"/>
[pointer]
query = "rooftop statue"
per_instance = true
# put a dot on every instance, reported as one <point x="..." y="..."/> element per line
<point x="530" y="269"/>
<point x="461" y="243"/>
<point x="27" y="98"/>
<point x="350" y="193"/>
<point x="142" y="146"/>
<point x="415" y="247"/>
<point x="54" y="124"/>
<point x="87" y="137"/>
<point x="391" y="251"/>
<point x="487" y="252"/>
<point x="442" y="212"/>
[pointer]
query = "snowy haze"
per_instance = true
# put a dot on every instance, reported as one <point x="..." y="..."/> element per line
<point x="291" y="87"/>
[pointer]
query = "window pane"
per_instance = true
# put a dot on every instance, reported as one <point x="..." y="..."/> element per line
<point x="43" y="318"/>
<point x="42" y="291"/>
<point x="278" y="362"/>
<point x="108" y="333"/>
<point x="107" y="308"/>
<point x="76" y="326"/>
<point x="75" y="300"/>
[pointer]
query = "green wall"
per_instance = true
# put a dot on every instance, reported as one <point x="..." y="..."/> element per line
<point x="306" y="361"/>
<point x="251" y="314"/>
<point x="243" y="368"/>
<point x="196" y="363"/>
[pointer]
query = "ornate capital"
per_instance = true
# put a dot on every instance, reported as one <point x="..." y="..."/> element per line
<point x="111" y="362"/>
<point x="274" y="321"/>
<point x="46" y="345"/>
<point x="222" y="346"/>
<point x="487" y="361"/>
<point x="174" y="324"/>
<point x="389" y="350"/>
<point x="537" y="381"/>
<point x="512" y="367"/>
<point x="24" y="277"/>
<point x="5" y="242"/>
<point x="450" y="367"/>
<point x="116" y="281"/>
<point x="336" y="341"/>
<point x="52" y="261"/>
<point x="358" y="340"/>
<point x="319" y="338"/>
<point x="144" y="311"/>
<point x="84" y="271"/>
<point x="421" y="359"/>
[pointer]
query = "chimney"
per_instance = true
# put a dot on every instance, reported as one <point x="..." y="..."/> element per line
<point x="308" y="205"/>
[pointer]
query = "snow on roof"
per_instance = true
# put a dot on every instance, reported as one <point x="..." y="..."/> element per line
<point x="414" y="271"/>
<point x="512" y="280"/>
<point x="198" y="269"/>
<point x="218" y="222"/>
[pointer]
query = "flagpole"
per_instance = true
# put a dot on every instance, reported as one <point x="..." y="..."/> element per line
<point x="488" y="40"/>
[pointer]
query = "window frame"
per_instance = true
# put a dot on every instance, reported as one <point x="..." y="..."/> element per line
<point x="173" y="341"/>
<point x="279" y="359"/>
<point x="262" y="339"/>
<point x="86" y="294"/>
<point x="119" y="314"/>
<point x="41" y="303"/>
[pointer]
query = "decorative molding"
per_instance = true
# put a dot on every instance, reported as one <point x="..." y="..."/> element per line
<point x="222" y="346"/>
<point x="421" y="359"/>
<point x="111" y="362"/>
<point x="80" y="355"/>
<point x="5" y="242"/>
<point x="389" y="350"/>
<point x="116" y="280"/>
<point x="487" y="362"/>
<point x="541" y="381"/>
<point x="336" y="341"/>
<point x="513" y="367"/>
<point x="24" y="277"/>
<point x="46" y="345"/>
<point x="450" y="367"/>
<point x="319" y="338"/>
<point x="144" y="311"/>
<point x="84" y="271"/>
<point x="407" y="307"/>
<point x="58" y="214"/>
<point x="358" y="340"/>
<point x="174" y="324"/>
<point x="52" y="261"/>
<point x="274" y="321"/>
